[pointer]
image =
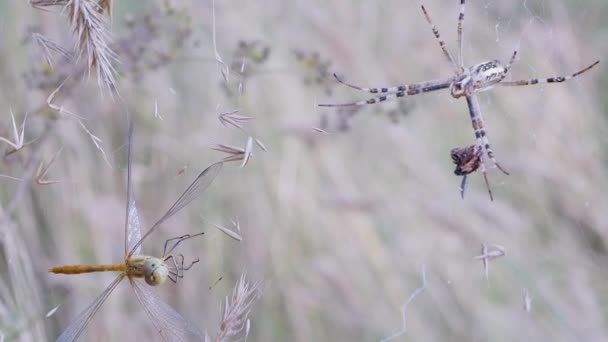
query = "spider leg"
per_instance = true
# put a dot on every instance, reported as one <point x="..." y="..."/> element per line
<point x="482" y="166"/>
<point x="390" y="96"/>
<point x="445" y="50"/>
<point x="487" y="147"/>
<point x="180" y="267"/>
<point x="173" y="270"/>
<point x="460" y="33"/>
<point x="394" y="89"/>
<point x="511" y="61"/>
<point x="191" y="264"/>
<point x="485" y="177"/>
<point x="179" y="240"/>
<point x="173" y="247"/>
<point x="463" y="186"/>
<point x="481" y="139"/>
<point x="475" y="121"/>
<point x="172" y="276"/>
<point x="177" y="268"/>
<point x="546" y="80"/>
<point x="480" y="131"/>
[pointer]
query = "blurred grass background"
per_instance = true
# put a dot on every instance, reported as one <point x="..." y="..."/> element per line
<point x="337" y="225"/>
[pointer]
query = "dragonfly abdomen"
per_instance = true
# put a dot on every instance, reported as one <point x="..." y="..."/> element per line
<point x="77" y="269"/>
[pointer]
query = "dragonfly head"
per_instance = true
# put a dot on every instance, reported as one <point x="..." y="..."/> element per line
<point x="155" y="271"/>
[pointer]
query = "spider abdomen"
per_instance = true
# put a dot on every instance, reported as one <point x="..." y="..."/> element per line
<point x="487" y="74"/>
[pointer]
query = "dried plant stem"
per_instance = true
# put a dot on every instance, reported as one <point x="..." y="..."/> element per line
<point x="29" y="171"/>
<point x="237" y="309"/>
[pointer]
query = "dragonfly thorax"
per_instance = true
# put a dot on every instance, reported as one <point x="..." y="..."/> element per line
<point x="479" y="77"/>
<point x="153" y="270"/>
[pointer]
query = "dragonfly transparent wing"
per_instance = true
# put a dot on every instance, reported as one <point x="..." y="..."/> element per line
<point x="168" y="322"/>
<point x="198" y="186"/>
<point x="132" y="230"/>
<point x="73" y="331"/>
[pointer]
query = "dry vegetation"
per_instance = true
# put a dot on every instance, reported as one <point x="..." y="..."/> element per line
<point x="344" y="209"/>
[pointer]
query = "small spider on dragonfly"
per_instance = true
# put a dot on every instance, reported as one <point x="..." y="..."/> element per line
<point x="465" y="83"/>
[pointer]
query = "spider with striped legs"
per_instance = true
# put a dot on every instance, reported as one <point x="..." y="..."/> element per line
<point x="465" y="83"/>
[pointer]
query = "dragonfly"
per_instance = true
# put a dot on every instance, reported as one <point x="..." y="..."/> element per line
<point x="136" y="266"/>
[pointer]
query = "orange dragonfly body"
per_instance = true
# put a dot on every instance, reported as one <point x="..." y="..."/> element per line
<point x="136" y="266"/>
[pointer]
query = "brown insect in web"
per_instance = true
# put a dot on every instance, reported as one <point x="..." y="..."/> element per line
<point x="467" y="160"/>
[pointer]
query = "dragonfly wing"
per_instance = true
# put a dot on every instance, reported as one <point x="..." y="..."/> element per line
<point x="169" y="323"/>
<point x="132" y="229"/>
<point x="198" y="186"/>
<point x="73" y="331"/>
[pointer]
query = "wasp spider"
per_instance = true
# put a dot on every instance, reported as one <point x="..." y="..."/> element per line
<point x="466" y="82"/>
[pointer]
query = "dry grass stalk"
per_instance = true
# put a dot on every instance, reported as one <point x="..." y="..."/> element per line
<point x="59" y="109"/>
<point x="225" y="70"/>
<point x="237" y="153"/>
<point x="92" y="33"/>
<point x="232" y="118"/>
<point x="43" y="169"/>
<point x="156" y="112"/>
<point x="237" y="121"/>
<point x="49" y="46"/>
<point x="231" y="233"/>
<point x="11" y="178"/>
<point x="248" y="151"/>
<point x="20" y="292"/>
<point x="237" y="308"/>
<point x="18" y="137"/>
<point x="487" y="254"/>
